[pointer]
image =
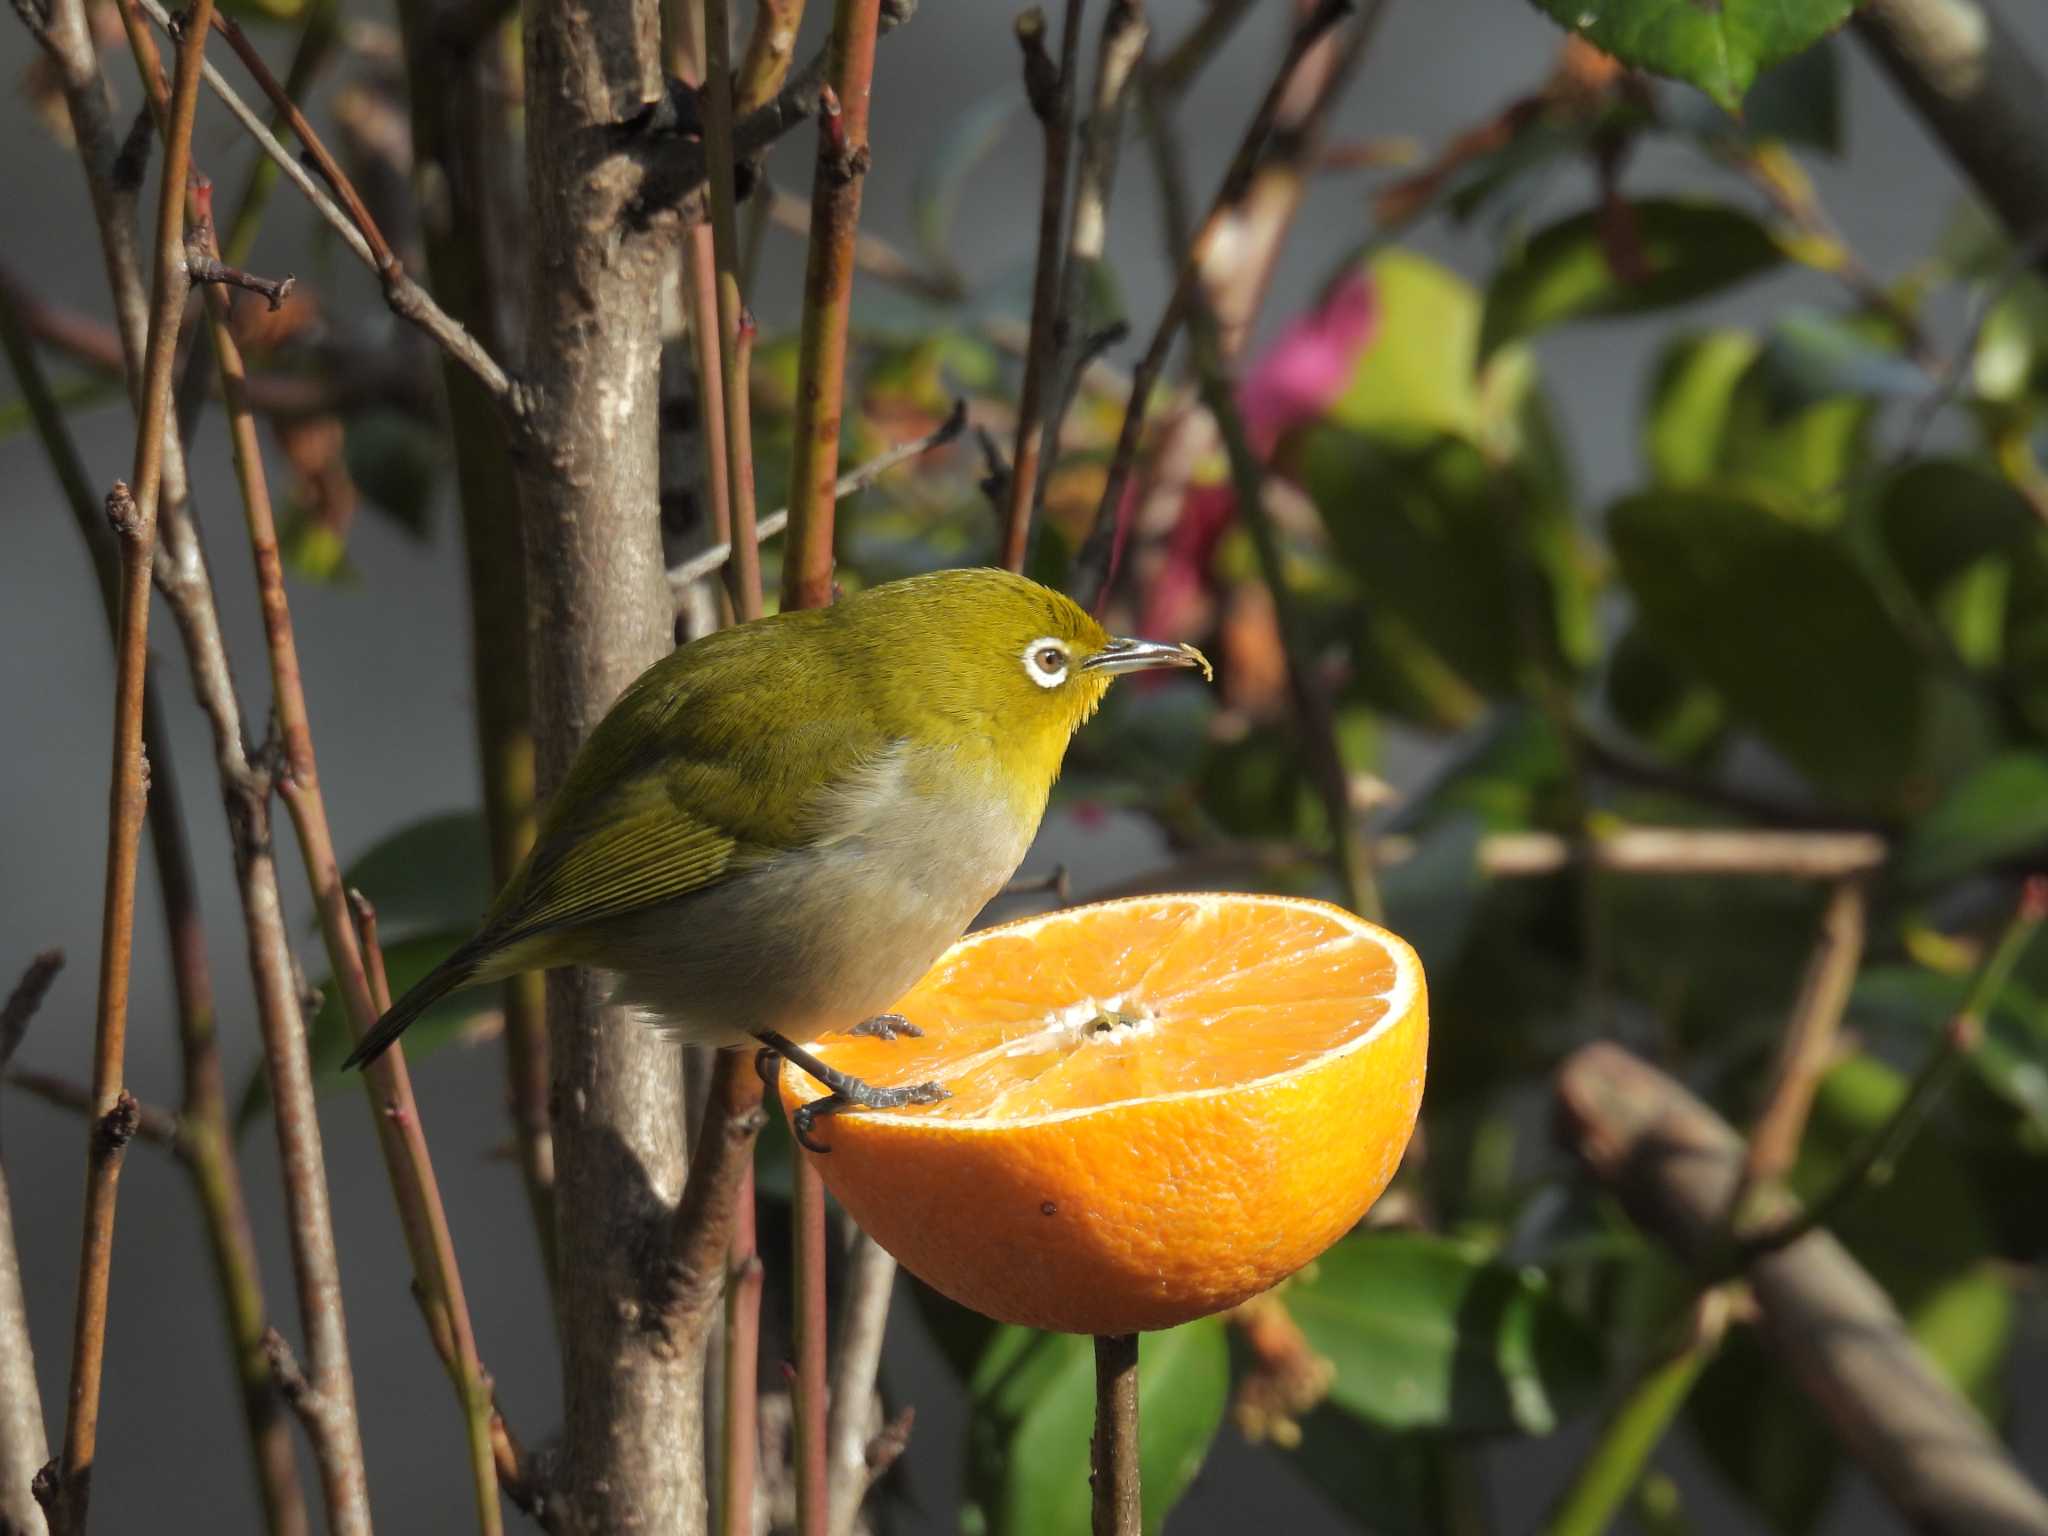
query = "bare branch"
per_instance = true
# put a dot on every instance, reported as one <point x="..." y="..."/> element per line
<point x="1094" y="567"/>
<point x="1674" y="1164"/>
<point x="406" y="298"/>
<point x="869" y="1282"/>
<point x="1113" y="1451"/>
<point x="25" y="999"/>
<point x="700" y="565"/>
<point x="1808" y="1047"/>
<point x="1051" y="89"/>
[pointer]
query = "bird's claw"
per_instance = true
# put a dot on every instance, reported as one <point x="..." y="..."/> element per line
<point x="768" y="1064"/>
<point x="887" y="1026"/>
<point x="858" y="1095"/>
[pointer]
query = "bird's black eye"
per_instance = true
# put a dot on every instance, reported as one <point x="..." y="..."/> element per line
<point x="1050" y="659"/>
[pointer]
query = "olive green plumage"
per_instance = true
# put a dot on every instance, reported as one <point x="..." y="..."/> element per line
<point x="780" y="826"/>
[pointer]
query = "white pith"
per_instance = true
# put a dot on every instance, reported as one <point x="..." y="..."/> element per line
<point x="1072" y="1018"/>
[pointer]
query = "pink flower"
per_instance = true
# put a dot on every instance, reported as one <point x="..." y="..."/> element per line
<point x="1299" y="378"/>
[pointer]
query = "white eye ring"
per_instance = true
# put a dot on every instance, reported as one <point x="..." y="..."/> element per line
<point x="1045" y="662"/>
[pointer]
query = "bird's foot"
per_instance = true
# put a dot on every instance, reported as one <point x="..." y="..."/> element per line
<point x="887" y="1026"/>
<point x="855" y="1094"/>
<point x="848" y="1091"/>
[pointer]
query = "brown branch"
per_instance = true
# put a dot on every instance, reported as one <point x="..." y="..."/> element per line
<point x="740" y="1425"/>
<point x="842" y="165"/>
<point x="147" y="1123"/>
<point x="704" y="563"/>
<point x="1173" y="74"/>
<point x="134" y="516"/>
<point x="866" y="1287"/>
<point x="273" y="290"/>
<point x="771" y="48"/>
<point x="1051" y="89"/>
<point x="25" y="999"/>
<point x="811" y="1448"/>
<point x="1871" y="1164"/>
<point x="1124" y="32"/>
<point x="463" y="121"/>
<point x="1675" y="1165"/>
<point x="405" y="297"/>
<point x="181" y="573"/>
<point x="1094" y="567"/>
<point x="1808" y="1047"/>
<point x="1980" y="93"/>
<point x="495" y="1454"/>
<point x="1113" y="1450"/>
<point x="871" y="253"/>
<point x="205" y="1141"/>
<point x="394" y="1112"/>
<point x="733" y="327"/>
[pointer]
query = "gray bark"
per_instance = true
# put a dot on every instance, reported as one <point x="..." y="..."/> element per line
<point x="631" y="1455"/>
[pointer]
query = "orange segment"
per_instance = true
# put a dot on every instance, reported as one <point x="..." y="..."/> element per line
<point x="1160" y="1108"/>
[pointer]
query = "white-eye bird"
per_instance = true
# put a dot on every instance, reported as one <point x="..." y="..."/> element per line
<point x="778" y="828"/>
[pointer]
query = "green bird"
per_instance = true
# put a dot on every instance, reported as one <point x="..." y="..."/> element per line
<point x="778" y="828"/>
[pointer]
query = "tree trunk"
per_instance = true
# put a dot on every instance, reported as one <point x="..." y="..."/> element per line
<point x="632" y="1445"/>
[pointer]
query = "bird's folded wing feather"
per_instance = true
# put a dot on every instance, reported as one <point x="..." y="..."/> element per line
<point x="682" y="785"/>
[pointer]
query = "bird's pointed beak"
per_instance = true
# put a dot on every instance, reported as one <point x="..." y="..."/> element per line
<point x="1144" y="655"/>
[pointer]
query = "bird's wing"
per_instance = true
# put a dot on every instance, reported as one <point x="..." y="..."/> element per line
<point x="679" y="786"/>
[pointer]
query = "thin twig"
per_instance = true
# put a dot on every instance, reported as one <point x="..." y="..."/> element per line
<point x="702" y="564"/>
<point x="1095" y="566"/>
<point x="1808" y="1047"/>
<point x="868" y="1284"/>
<point x="181" y="573"/>
<point x="1113" y="1451"/>
<point x="394" y="1112"/>
<point x="1052" y="89"/>
<point x="463" y="128"/>
<point x="1870" y="1166"/>
<point x="1124" y="32"/>
<point x="811" y="1447"/>
<point x="743" y="574"/>
<point x="25" y="999"/>
<point x="151" y="1123"/>
<point x="841" y="171"/>
<point x="405" y="297"/>
<point x="872" y="254"/>
<point x="135" y="521"/>
<point x="771" y="49"/>
<point x="740" y="1426"/>
<point x="1174" y="73"/>
<point x="273" y="290"/>
<point x="496" y="1456"/>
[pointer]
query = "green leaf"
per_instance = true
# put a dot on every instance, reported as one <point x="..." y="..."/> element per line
<point x="1812" y="355"/>
<point x="1663" y="705"/>
<point x="1998" y="812"/>
<point x="459" y="1016"/>
<point x="1429" y="1333"/>
<point x="1691" y="392"/>
<point x="1717" y="46"/>
<point x="1785" y="625"/>
<point x="1416" y="373"/>
<point x="1033" y="1403"/>
<point x="1422" y="527"/>
<point x="1688" y="250"/>
<point x="433" y="873"/>
<point x="396" y="462"/>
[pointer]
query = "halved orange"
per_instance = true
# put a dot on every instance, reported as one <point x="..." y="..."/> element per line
<point x="1161" y="1106"/>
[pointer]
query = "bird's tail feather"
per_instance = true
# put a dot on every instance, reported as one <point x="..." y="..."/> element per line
<point x="466" y="966"/>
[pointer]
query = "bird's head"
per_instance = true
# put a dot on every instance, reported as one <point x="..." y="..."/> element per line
<point x="991" y="655"/>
